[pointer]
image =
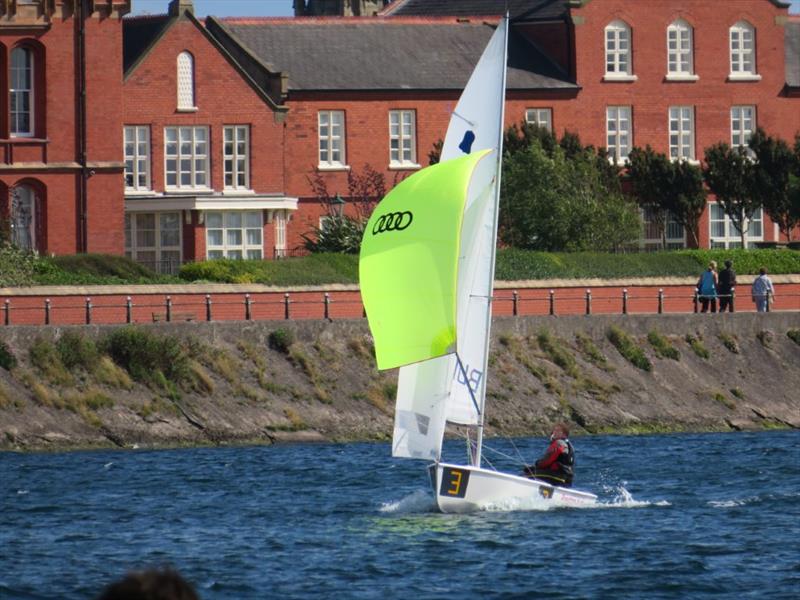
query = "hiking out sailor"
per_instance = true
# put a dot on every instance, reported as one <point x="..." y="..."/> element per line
<point x="557" y="464"/>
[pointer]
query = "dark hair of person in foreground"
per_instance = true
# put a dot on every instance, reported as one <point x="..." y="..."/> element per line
<point x="152" y="584"/>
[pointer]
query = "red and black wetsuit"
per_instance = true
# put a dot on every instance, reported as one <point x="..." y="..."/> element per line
<point x="556" y="466"/>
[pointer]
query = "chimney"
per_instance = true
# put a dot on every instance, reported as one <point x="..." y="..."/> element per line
<point x="178" y="7"/>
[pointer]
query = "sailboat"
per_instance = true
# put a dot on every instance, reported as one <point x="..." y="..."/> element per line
<point x="426" y="274"/>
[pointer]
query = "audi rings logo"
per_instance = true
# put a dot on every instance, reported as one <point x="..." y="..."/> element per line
<point x="393" y="221"/>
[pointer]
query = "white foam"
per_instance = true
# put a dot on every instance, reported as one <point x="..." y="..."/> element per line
<point x="22" y="492"/>
<point x="624" y="499"/>
<point x="418" y="501"/>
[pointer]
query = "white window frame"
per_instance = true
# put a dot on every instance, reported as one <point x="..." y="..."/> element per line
<point x="186" y="82"/>
<point x="619" y="133"/>
<point x="331" y="139"/>
<point x="680" y="52"/>
<point x="742" y="46"/>
<point x="133" y="249"/>
<point x="136" y="142"/>
<point x="228" y="246"/>
<point x="618" y="52"/>
<point x="743" y="125"/>
<point x="541" y="117"/>
<point x="403" y="139"/>
<point x="681" y="125"/>
<point x="199" y="162"/>
<point x="280" y="218"/>
<point x="730" y="237"/>
<point x="675" y="237"/>
<point x="236" y="157"/>
<point x="19" y="95"/>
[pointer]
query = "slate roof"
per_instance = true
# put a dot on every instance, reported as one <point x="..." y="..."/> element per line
<point x="137" y="35"/>
<point x="792" y="45"/>
<point x="518" y="9"/>
<point x="383" y="54"/>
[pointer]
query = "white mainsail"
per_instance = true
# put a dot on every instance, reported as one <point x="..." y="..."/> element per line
<point x="453" y="387"/>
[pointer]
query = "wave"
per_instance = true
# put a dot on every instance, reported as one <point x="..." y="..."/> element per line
<point x="624" y="499"/>
<point x="418" y="501"/>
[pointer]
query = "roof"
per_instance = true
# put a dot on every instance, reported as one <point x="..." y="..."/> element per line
<point x="337" y="54"/>
<point x="519" y="9"/>
<point x="138" y="33"/>
<point x="792" y="46"/>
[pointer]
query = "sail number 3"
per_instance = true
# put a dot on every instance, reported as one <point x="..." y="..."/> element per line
<point x="454" y="482"/>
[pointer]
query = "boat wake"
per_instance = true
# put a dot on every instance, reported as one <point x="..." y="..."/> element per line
<point x="418" y="501"/>
<point x="624" y="499"/>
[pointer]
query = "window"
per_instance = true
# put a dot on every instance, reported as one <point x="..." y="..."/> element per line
<point x="154" y="240"/>
<point x="280" y="233"/>
<point x="22" y="217"/>
<point x="618" y="132"/>
<point x="680" y="62"/>
<point x="743" y="124"/>
<point x="331" y="138"/>
<point x="186" y="100"/>
<point x="234" y="234"/>
<point x="681" y="132"/>
<point x="725" y="234"/>
<point x="186" y="155"/>
<point x="541" y="117"/>
<point x="21" y="93"/>
<point x="236" y="154"/>
<point x="402" y="138"/>
<point x="743" y="50"/>
<point x="137" y="157"/>
<point x="674" y="239"/>
<point x="618" y="50"/>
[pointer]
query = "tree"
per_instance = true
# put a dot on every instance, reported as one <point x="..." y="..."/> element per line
<point x="776" y="183"/>
<point x="730" y="175"/>
<point x="649" y="174"/>
<point x="686" y="200"/>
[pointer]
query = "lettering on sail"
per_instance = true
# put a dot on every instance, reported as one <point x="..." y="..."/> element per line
<point x="469" y="377"/>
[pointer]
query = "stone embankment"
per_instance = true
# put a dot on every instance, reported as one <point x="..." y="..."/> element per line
<point x="272" y="381"/>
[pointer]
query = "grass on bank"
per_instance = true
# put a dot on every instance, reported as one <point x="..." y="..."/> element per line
<point x="21" y="269"/>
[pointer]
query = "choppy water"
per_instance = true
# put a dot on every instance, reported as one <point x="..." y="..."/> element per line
<point x="681" y="516"/>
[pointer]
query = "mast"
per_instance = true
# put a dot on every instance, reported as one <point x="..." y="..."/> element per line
<point x="495" y="222"/>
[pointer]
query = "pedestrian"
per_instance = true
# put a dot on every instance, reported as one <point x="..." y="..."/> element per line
<point x="707" y="288"/>
<point x="763" y="292"/>
<point x="726" y="283"/>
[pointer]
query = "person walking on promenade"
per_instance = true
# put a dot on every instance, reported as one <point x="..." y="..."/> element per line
<point x="707" y="288"/>
<point x="763" y="291"/>
<point x="726" y="284"/>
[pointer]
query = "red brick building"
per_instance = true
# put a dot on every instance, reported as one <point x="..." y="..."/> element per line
<point x="60" y="171"/>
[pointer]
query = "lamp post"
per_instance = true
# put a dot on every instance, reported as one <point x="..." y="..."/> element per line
<point x="338" y="205"/>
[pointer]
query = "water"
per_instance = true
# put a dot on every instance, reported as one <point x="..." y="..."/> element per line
<point x="681" y="516"/>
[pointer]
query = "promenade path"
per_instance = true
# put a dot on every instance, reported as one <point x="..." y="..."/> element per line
<point x="72" y="305"/>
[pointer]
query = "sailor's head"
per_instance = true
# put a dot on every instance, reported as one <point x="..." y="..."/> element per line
<point x="560" y="431"/>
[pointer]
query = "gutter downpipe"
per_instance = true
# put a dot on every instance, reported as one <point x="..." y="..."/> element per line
<point x="80" y="67"/>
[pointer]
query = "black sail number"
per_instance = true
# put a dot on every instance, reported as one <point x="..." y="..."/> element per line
<point x="393" y="221"/>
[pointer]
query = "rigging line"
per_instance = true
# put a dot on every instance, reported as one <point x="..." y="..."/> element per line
<point x="501" y="453"/>
<point x="466" y="383"/>
<point x="519" y="454"/>
<point x="467" y="121"/>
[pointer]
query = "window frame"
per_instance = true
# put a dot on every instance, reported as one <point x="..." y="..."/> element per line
<point x="738" y="57"/>
<point x="137" y="158"/>
<point x="617" y="120"/>
<point x="405" y="143"/>
<point x="536" y="120"/>
<point x="681" y="132"/>
<point x="185" y="82"/>
<point x="669" y="242"/>
<point x="742" y="131"/>
<point x="132" y="247"/>
<point x="613" y="56"/>
<point x="236" y="158"/>
<point x="223" y="250"/>
<point x="731" y="237"/>
<point x="334" y="142"/>
<point x="28" y="92"/>
<point x="678" y="56"/>
<point x="193" y="157"/>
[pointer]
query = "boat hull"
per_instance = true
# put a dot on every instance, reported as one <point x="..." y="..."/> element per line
<point x="464" y="488"/>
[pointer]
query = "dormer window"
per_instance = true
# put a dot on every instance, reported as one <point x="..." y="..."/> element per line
<point x="680" y="52"/>
<point x="618" y="52"/>
<point x="743" y="52"/>
<point x="186" y="99"/>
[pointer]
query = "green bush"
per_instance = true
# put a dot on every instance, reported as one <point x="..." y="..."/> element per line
<point x="556" y="351"/>
<point x="316" y="269"/>
<point x="281" y="340"/>
<point x="729" y="341"/>
<point x="794" y="335"/>
<point x="662" y="346"/>
<point x="628" y="348"/>
<point x="47" y="360"/>
<point x="7" y="359"/>
<point x="146" y="356"/>
<point x="696" y="343"/>
<point x="75" y="350"/>
<point x="94" y="269"/>
<point x="17" y="267"/>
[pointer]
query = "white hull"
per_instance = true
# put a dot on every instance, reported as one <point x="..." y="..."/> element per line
<point x="463" y="489"/>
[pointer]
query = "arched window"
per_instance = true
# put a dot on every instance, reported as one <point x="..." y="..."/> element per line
<point x="21" y="92"/>
<point x="23" y="217"/>
<point x="186" y="81"/>
<point x="743" y="49"/>
<point x="680" y="59"/>
<point x="618" y="49"/>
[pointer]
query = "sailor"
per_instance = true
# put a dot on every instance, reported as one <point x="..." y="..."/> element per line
<point x="556" y="466"/>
